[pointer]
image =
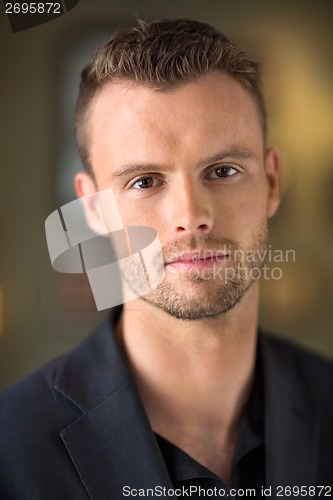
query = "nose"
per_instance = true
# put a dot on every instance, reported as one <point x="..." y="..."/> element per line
<point x="192" y="209"/>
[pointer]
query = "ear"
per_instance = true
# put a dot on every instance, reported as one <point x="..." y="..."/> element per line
<point x="100" y="207"/>
<point x="86" y="190"/>
<point x="272" y="169"/>
<point x="84" y="184"/>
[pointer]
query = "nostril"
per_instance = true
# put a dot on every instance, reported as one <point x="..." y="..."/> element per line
<point x="200" y="227"/>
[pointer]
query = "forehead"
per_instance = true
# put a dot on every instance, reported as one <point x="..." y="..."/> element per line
<point x="213" y="111"/>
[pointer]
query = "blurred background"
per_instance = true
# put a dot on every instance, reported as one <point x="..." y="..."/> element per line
<point x="44" y="313"/>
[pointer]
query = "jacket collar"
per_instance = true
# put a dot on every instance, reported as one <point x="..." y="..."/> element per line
<point x="112" y="444"/>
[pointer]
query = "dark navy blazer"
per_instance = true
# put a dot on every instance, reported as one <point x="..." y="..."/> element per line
<point x="76" y="429"/>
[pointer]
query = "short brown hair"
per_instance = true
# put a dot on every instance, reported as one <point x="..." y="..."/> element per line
<point x="163" y="54"/>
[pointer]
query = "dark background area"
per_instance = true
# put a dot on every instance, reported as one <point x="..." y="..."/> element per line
<point x="44" y="313"/>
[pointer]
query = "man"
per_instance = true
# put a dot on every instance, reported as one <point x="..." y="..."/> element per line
<point x="176" y="394"/>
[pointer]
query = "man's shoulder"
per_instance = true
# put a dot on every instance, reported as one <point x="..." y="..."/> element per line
<point x="39" y="381"/>
<point x="46" y="386"/>
<point x="312" y="370"/>
<point x="283" y="347"/>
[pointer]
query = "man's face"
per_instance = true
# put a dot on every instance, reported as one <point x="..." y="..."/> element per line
<point x="189" y="162"/>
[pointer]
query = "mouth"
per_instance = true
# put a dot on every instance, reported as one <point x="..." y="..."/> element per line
<point x="197" y="260"/>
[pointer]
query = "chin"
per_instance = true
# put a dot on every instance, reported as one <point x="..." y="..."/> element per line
<point x="197" y="301"/>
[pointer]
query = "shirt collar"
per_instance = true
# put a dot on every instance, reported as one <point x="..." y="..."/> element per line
<point x="181" y="466"/>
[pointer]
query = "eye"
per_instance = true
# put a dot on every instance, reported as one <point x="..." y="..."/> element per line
<point x="222" y="172"/>
<point x="145" y="182"/>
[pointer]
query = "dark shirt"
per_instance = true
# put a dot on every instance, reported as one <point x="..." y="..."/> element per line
<point x="248" y="466"/>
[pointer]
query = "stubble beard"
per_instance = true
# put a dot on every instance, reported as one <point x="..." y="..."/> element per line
<point x="210" y="293"/>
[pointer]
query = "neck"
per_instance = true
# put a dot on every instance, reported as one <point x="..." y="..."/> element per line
<point x="192" y="375"/>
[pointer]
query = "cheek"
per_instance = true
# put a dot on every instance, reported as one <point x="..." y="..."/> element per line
<point x="252" y="208"/>
<point x="243" y="212"/>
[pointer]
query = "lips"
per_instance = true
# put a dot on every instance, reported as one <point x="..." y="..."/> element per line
<point x="201" y="259"/>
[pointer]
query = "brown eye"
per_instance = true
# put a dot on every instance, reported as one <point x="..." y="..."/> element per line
<point x="144" y="183"/>
<point x="225" y="171"/>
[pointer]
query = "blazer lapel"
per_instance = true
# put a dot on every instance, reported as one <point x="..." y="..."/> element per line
<point x="111" y="445"/>
<point x="290" y="419"/>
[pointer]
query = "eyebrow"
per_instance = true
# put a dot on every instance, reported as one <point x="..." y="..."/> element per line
<point x="129" y="169"/>
<point x="235" y="154"/>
